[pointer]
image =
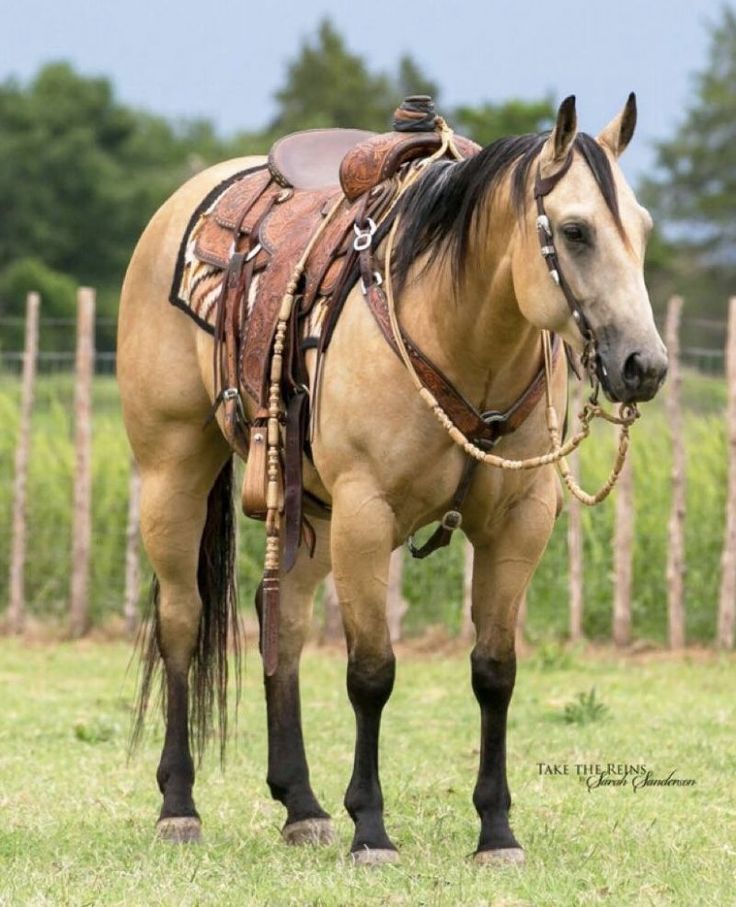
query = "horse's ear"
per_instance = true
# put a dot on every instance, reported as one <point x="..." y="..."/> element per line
<point x="617" y="135"/>
<point x="558" y="145"/>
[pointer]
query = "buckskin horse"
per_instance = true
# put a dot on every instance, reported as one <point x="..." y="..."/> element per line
<point x="456" y="312"/>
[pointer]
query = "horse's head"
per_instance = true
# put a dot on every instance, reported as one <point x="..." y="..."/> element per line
<point x="593" y="239"/>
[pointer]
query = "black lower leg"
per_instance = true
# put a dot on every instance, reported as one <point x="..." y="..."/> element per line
<point x="369" y="687"/>
<point x="493" y="684"/>
<point x="288" y="774"/>
<point x="175" y="773"/>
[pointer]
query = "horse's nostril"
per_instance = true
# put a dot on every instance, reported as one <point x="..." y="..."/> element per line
<point x="642" y="375"/>
<point x="633" y="370"/>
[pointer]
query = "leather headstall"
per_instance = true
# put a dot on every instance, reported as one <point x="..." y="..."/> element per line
<point x="542" y="187"/>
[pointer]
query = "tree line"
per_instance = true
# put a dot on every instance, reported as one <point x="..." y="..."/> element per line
<point x="81" y="172"/>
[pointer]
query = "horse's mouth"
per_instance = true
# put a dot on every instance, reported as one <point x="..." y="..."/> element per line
<point x="623" y="388"/>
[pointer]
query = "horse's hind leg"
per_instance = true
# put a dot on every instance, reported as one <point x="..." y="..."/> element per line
<point x="288" y="773"/>
<point x="184" y="487"/>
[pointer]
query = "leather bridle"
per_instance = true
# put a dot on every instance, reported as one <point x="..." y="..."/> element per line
<point x="542" y="187"/>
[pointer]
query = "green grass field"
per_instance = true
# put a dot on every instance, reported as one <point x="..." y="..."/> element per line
<point x="76" y="820"/>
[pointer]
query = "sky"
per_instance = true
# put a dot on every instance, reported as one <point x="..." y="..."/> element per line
<point x="167" y="58"/>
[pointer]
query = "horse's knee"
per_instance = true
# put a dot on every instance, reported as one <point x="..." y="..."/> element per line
<point x="370" y="678"/>
<point x="493" y="678"/>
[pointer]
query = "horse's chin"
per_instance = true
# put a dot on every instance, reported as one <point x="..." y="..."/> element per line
<point x="610" y="395"/>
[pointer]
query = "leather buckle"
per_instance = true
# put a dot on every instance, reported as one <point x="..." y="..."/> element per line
<point x="491" y="417"/>
<point x="232" y="393"/>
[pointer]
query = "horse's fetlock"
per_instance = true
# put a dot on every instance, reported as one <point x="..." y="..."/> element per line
<point x="178" y="770"/>
<point x="362" y="800"/>
<point x="162" y="777"/>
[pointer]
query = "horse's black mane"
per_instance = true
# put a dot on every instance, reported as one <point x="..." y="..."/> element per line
<point x="438" y="212"/>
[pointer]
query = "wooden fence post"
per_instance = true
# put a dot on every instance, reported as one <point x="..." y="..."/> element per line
<point x="16" y="605"/>
<point x="82" y="517"/>
<point x="575" y="533"/>
<point x="623" y="555"/>
<point x="132" y="558"/>
<point x="727" y="597"/>
<point x="676" y="528"/>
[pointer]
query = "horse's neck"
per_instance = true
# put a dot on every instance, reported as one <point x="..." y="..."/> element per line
<point x="479" y="339"/>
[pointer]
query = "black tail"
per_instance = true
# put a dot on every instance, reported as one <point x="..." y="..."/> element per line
<point x="208" y="679"/>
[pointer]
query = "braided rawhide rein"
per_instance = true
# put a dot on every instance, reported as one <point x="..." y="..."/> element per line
<point x="274" y="492"/>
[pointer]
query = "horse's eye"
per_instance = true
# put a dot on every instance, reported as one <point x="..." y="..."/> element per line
<point x="575" y="233"/>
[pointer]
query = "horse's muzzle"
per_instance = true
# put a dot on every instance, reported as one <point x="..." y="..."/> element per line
<point x="636" y="378"/>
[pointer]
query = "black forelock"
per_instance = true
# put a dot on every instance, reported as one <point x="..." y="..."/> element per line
<point x="438" y="212"/>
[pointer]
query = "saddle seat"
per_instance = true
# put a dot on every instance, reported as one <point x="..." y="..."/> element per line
<point x="354" y="159"/>
<point x="311" y="159"/>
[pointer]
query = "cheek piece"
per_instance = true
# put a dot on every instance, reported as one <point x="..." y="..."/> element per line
<point x="542" y="188"/>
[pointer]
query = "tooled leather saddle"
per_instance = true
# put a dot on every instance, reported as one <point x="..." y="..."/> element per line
<point x="261" y="225"/>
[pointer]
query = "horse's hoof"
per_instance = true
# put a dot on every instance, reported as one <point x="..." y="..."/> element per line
<point x="368" y="857"/>
<point x="179" y="830"/>
<point x="309" y="831"/>
<point x="504" y="856"/>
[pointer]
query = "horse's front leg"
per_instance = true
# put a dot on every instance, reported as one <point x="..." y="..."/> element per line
<point x="288" y="773"/>
<point x="362" y="538"/>
<point x="503" y="565"/>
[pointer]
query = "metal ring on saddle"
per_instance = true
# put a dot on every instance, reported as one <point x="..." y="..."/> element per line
<point x="364" y="236"/>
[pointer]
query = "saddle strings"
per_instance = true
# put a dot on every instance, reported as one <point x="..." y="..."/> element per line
<point x="627" y="413"/>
